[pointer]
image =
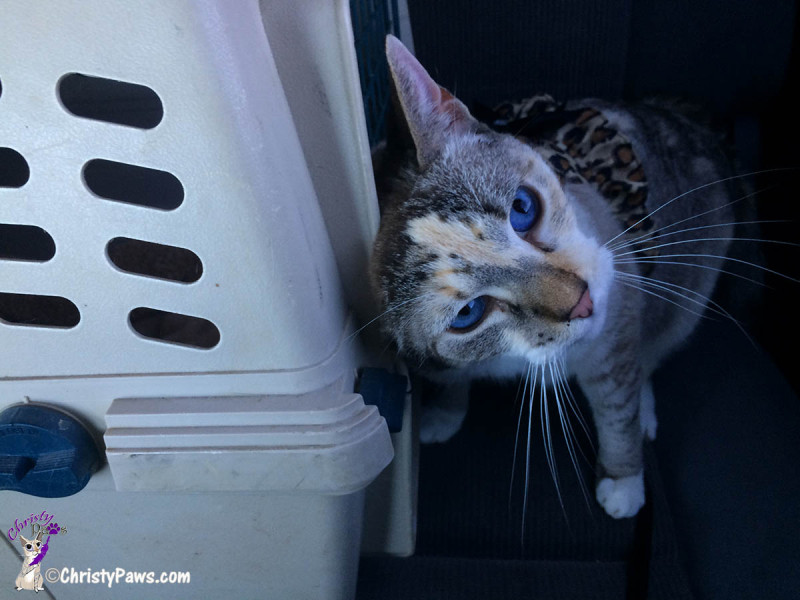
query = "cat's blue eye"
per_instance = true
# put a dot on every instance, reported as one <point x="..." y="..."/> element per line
<point x="470" y="313"/>
<point x="524" y="210"/>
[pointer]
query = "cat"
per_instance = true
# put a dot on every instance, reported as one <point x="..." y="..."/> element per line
<point x="492" y="262"/>
<point x="30" y="576"/>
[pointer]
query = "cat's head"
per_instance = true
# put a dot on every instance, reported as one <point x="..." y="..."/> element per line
<point x="480" y="252"/>
<point x="31" y="547"/>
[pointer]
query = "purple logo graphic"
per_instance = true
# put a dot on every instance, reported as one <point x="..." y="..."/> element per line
<point x="34" y="550"/>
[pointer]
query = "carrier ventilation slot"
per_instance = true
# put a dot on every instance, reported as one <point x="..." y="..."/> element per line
<point x="133" y="184"/>
<point x="174" y="328"/>
<point x="25" y="242"/>
<point x="35" y="310"/>
<point x="14" y="171"/>
<point x="110" y="101"/>
<point x="155" y="260"/>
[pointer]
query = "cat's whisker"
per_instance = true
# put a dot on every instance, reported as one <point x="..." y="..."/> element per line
<point x="707" y="302"/>
<point x="548" y="440"/>
<point x="714" y="239"/>
<point x="691" y="191"/>
<point x="386" y="348"/>
<point x="642" y="241"/>
<point x="572" y="403"/>
<point x="672" y="287"/>
<point x="520" y="398"/>
<point x="531" y="392"/>
<point x="649" y="234"/>
<point x="653" y="260"/>
<point x="384" y="313"/>
<point x="521" y="129"/>
<point x="566" y="426"/>
<point x="516" y="438"/>
<point x="652" y="293"/>
<point x="646" y="259"/>
<point x="638" y="284"/>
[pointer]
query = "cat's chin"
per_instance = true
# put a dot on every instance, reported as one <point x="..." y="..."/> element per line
<point x="589" y="329"/>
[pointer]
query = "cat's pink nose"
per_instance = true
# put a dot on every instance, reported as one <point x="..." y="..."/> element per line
<point x="583" y="308"/>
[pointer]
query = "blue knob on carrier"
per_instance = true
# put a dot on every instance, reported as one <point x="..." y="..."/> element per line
<point x="45" y="451"/>
<point x="387" y="391"/>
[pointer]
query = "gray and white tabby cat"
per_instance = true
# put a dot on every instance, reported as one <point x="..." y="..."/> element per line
<point x="488" y="264"/>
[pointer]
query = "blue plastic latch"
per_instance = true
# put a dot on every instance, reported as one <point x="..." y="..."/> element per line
<point x="387" y="391"/>
<point x="45" y="451"/>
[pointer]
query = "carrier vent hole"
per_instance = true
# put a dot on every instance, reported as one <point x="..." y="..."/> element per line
<point x="155" y="260"/>
<point x="133" y="184"/>
<point x="174" y="328"/>
<point x="14" y="170"/>
<point x="25" y="242"/>
<point x="110" y="101"/>
<point x="35" y="310"/>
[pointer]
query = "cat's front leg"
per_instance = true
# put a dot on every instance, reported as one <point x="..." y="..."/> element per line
<point x="19" y="582"/>
<point x="614" y="393"/>
<point x="647" y="412"/>
<point x="443" y="417"/>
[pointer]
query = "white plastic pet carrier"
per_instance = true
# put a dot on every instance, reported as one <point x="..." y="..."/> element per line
<point x="186" y="209"/>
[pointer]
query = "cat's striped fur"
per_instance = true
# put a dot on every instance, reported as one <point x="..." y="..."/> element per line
<point x="555" y="294"/>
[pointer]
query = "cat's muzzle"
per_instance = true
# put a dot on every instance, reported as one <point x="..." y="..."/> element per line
<point x="584" y="308"/>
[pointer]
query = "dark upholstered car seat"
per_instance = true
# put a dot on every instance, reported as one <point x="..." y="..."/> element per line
<point x="723" y="480"/>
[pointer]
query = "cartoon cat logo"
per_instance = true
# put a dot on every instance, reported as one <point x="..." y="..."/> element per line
<point x="30" y="575"/>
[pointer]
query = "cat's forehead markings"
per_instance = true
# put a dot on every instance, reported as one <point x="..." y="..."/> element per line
<point x="476" y="231"/>
<point x="447" y="276"/>
<point x="448" y="290"/>
<point x="494" y="211"/>
<point x="444" y="272"/>
<point x="458" y="237"/>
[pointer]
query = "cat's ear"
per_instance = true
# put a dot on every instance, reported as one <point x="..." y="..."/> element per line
<point x="23" y="540"/>
<point x="433" y="114"/>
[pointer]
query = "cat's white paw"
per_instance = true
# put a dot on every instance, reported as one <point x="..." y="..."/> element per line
<point x="647" y="412"/>
<point x="439" y="424"/>
<point x="622" y="497"/>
